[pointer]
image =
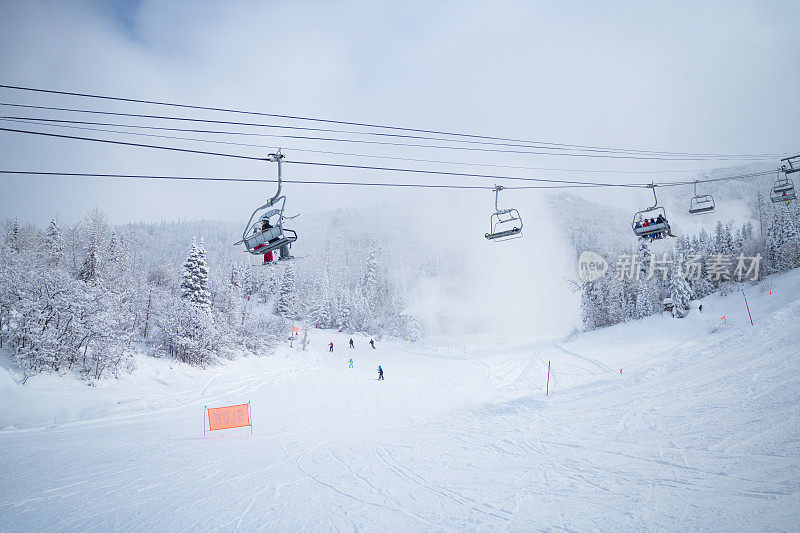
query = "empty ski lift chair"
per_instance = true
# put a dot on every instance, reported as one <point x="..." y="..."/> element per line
<point x="258" y="240"/>
<point x="655" y="230"/>
<point x="700" y="204"/>
<point x="504" y="224"/>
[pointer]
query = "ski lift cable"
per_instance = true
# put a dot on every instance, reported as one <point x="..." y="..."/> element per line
<point x="63" y="124"/>
<point x="610" y="155"/>
<point x="314" y="163"/>
<point x="297" y="181"/>
<point x="267" y="180"/>
<point x="317" y="119"/>
<point x="336" y="165"/>
<point x="680" y="157"/>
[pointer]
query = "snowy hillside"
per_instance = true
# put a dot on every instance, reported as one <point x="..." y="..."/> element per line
<point x="698" y="431"/>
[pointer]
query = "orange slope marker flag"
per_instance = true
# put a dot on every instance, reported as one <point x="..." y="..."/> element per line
<point x="231" y="416"/>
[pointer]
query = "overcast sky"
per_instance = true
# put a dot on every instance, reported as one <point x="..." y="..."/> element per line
<point x="689" y="77"/>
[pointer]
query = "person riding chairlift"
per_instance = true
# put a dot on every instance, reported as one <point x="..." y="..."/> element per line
<point x="284" y="249"/>
<point x="264" y="226"/>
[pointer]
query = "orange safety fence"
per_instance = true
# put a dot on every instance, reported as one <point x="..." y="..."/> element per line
<point x="232" y="416"/>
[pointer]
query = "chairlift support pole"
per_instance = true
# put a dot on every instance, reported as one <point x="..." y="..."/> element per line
<point x="277" y="157"/>
<point x="655" y="198"/>
<point x="497" y="189"/>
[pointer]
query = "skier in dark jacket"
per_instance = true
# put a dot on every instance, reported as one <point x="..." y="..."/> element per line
<point x="372" y="343"/>
<point x="352" y="345"/>
<point x="380" y="373"/>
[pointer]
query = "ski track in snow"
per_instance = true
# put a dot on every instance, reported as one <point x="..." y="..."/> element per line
<point x="702" y="437"/>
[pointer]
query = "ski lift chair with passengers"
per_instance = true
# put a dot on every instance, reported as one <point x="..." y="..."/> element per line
<point x="260" y="238"/>
<point x="659" y="228"/>
<point x="783" y="188"/>
<point x="504" y="224"/>
<point x="700" y="204"/>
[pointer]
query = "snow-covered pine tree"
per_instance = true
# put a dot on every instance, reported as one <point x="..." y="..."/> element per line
<point x="54" y="243"/>
<point x="370" y="282"/>
<point x="95" y="225"/>
<point x="344" y="318"/>
<point x="12" y="237"/>
<point x="681" y="294"/>
<point x="113" y="248"/>
<point x="195" y="283"/>
<point x="319" y="304"/>
<point x="90" y="270"/>
<point x="775" y="241"/>
<point x="287" y="299"/>
<point x="791" y="248"/>
<point x="202" y="297"/>
<point x="268" y="285"/>
<point x="591" y="305"/>
<point x="644" y="299"/>
<point x="188" y="286"/>
<point x="236" y="277"/>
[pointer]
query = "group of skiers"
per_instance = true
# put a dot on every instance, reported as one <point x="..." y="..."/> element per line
<point x="352" y="344"/>
<point x="650" y="221"/>
<point x="659" y="233"/>
<point x="350" y="362"/>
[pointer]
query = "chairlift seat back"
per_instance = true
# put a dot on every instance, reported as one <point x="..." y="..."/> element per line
<point x="701" y="204"/>
<point x="785" y="195"/>
<point x="268" y="240"/>
<point x="505" y="224"/>
<point x="645" y="231"/>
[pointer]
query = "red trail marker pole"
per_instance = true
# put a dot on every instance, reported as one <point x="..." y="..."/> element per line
<point x="748" y="308"/>
<point x="547" y="391"/>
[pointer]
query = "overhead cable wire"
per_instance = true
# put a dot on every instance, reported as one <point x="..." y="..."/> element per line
<point x="325" y="130"/>
<point x="309" y="163"/>
<point x="311" y="182"/>
<point x="270" y="180"/>
<point x="390" y="143"/>
<point x="361" y="167"/>
<point x="609" y="155"/>
<point x="64" y="124"/>
<point x="318" y="119"/>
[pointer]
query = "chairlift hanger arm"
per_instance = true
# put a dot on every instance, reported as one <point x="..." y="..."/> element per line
<point x="655" y="198"/>
<point x="277" y="157"/>
<point x="791" y="169"/>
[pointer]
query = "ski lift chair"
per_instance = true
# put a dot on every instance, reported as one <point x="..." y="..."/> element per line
<point x="782" y="191"/>
<point x="651" y="231"/>
<point x="504" y="224"/>
<point x="260" y="241"/>
<point x="700" y="204"/>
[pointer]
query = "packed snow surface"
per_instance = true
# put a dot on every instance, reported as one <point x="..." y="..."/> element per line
<point x="699" y="430"/>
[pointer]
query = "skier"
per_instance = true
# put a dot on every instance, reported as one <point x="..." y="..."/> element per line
<point x="352" y="345"/>
<point x="700" y="309"/>
<point x="265" y="225"/>
<point x="330" y="347"/>
<point x="372" y="343"/>
<point x="351" y="363"/>
<point x="380" y="374"/>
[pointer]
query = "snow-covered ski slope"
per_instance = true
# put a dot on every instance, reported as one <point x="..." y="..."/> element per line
<point x="699" y="432"/>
